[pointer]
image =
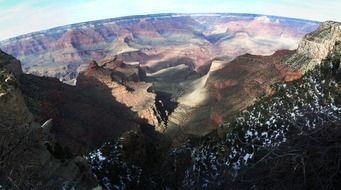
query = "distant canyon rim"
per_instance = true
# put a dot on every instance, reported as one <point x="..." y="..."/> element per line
<point x="192" y="76"/>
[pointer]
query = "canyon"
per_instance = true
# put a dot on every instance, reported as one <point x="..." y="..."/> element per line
<point x="155" y="41"/>
<point x="187" y="60"/>
<point x="152" y="89"/>
<point x="286" y="133"/>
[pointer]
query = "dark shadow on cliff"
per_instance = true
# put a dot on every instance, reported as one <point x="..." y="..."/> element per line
<point x="165" y="104"/>
<point x="83" y="117"/>
<point x="171" y="63"/>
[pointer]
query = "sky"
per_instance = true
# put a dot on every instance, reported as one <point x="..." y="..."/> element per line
<point x="24" y="16"/>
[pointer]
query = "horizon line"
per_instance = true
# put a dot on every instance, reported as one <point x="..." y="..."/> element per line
<point x="119" y="18"/>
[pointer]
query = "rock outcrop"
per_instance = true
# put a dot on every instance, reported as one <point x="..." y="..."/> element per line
<point x="14" y="116"/>
<point x="45" y="125"/>
<point x="29" y="155"/>
<point x="9" y="63"/>
<point x="231" y="86"/>
<point x="83" y="117"/>
<point x="316" y="46"/>
<point x="228" y="88"/>
<point x="304" y="114"/>
<point x="126" y="85"/>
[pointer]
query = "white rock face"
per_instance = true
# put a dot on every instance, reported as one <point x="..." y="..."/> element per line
<point x="316" y="46"/>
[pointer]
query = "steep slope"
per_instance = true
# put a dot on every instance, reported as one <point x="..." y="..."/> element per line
<point x="306" y="161"/>
<point x="238" y="84"/>
<point x="307" y="110"/>
<point x="9" y="63"/>
<point x="29" y="156"/>
<point x="309" y="103"/>
<point x="166" y="39"/>
<point x="82" y="121"/>
<point x="231" y="86"/>
<point x="127" y="86"/>
<point x="287" y="133"/>
<point x="228" y="88"/>
<point x="316" y="46"/>
<point x="108" y="99"/>
<point x="41" y="150"/>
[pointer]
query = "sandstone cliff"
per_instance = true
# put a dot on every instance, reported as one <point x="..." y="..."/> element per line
<point x="125" y="83"/>
<point x="227" y="89"/>
<point x="232" y="86"/>
<point x="316" y="46"/>
<point x="164" y="40"/>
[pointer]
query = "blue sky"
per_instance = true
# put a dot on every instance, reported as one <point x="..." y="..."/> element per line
<point x="23" y="16"/>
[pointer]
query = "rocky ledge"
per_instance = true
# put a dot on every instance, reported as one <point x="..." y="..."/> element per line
<point x="125" y="83"/>
<point x="316" y="46"/>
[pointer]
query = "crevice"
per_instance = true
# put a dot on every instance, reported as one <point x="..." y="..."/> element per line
<point x="165" y="104"/>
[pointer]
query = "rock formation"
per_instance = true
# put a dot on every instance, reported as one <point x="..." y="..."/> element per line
<point x="316" y="46"/>
<point x="303" y="111"/>
<point x="46" y="125"/>
<point x="231" y="86"/>
<point x="156" y="82"/>
<point x="9" y="63"/>
<point x="29" y="156"/>
<point x="156" y="41"/>
<point x="228" y="88"/>
<point x="126" y="85"/>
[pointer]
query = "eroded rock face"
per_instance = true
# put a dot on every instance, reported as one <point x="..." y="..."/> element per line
<point x="228" y="88"/>
<point x="9" y="63"/>
<point x="306" y="106"/>
<point x="316" y="46"/>
<point x="83" y="117"/>
<point x="126" y="86"/>
<point x="15" y="118"/>
<point x="156" y="41"/>
<point x="41" y="148"/>
<point x="28" y="155"/>
<point x="237" y="85"/>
